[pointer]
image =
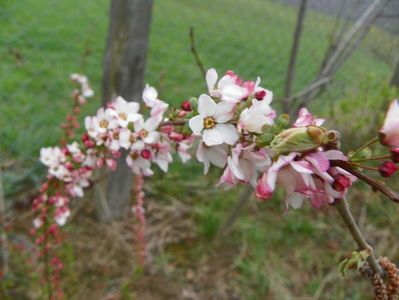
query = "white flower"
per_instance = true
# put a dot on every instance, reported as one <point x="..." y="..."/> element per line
<point x="216" y="155"/>
<point x="104" y="121"/>
<point x="150" y="97"/>
<point x="226" y="89"/>
<point x="125" y="112"/>
<point x="138" y="164"/>
<point x="52" y="156"/>
<point x="162" y="155"/>
<point x="144" y="133"/>
<point x="252" y="119"/>
<point x="210" y="123"/>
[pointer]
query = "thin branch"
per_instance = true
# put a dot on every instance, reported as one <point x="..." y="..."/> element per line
<point x="364" y="146"/>
<point x="295" y="48"/>
<point x="344" y="211"/>
<point x="195" y="52"/>
<point x="309" y="89"/>
<point x="392" y="195"/>
<point x="235" y="212"/>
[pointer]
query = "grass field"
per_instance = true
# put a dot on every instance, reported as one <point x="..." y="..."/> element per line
<point x="268" y="255"/>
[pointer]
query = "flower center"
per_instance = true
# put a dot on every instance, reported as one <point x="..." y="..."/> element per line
<point x="134" y="155"/>
<point x="132" y="139"/>
<point x="115" y="135"/>
<point x="209" y="122"/>
<point x="143" y="133"/>
<point x="104" y="123"/>
<point x="123" y="116"/>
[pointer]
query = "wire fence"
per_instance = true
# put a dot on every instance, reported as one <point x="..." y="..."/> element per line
<point x="42" y="42"/>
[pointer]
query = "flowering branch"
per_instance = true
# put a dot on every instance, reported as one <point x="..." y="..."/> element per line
<point x="236" y="130"/>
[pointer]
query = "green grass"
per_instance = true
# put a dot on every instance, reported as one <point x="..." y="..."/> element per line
<point x="274" y="255"/>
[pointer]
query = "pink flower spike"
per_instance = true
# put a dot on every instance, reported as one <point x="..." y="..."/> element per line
<point x="389" y="133"/>
<point x="387" y="169"/>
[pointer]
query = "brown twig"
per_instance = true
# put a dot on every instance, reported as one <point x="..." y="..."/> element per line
<point x="294" y="49"/>
<point x="195" y="52"/>
<point x="394" y="196"/>
<point x="346" y="214"/>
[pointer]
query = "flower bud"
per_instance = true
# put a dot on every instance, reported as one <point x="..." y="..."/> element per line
<point x="186" y="105"/>
<point x="146" y="154"/>
<point x="395" y="155"/>
<point x="387" y="169"/>
<point x="299" y="139"/>
<point x="341" y="183"/>
<point x="260" y="95"/>
<point x="283" y="120"/>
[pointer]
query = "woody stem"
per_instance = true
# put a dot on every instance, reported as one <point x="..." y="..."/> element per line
<point x="346" y="214"/>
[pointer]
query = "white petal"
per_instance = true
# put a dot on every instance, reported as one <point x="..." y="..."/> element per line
<point x="228" y="132"/>
<point x="223" y="112"/>
<point x="196" y="124"/>
<point x="295" y="200"/>
<point x="206" y="105"/>
<point x="212" y="137"/>
<point x="211" y="78"/>
<point x="233" y="93"/>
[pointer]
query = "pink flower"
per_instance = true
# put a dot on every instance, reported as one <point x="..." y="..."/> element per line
<point x="263" y="189"/>
<point x="305" y="118"/>
<point x="244" y="164"/>
<point x="389" y="133"/>
<point x="211" y="122"/>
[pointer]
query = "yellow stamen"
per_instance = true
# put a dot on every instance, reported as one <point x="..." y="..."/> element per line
<point x="209" y="122"/>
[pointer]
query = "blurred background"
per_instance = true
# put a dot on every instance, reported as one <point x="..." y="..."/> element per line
<point x="267" y="253"/>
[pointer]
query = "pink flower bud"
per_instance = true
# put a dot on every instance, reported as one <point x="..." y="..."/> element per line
<point x="387" y="168"/>
<point x="263" y="190"/>
<point x="85" y="137"/>
<point x="341" y="183"/>
<point x="260" y="95"/>
<point x="89" y="143"/>
<point x="174" y="136"/>
<point x="186" y="105"/>
<point x="146" y="154"/>
<point x="395" y="155"/>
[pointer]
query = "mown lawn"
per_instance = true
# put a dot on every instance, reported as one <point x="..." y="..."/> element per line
<point x="268" y="253"/>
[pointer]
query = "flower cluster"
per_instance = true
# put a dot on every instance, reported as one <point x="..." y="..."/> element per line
<point x="240" y="133"/>
<point x="235" y="129"/>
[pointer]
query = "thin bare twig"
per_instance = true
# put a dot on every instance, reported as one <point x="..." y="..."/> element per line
<point x="346" y="214"/>
<point x="195" y="52"/>
<point x="294" y="50"/>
